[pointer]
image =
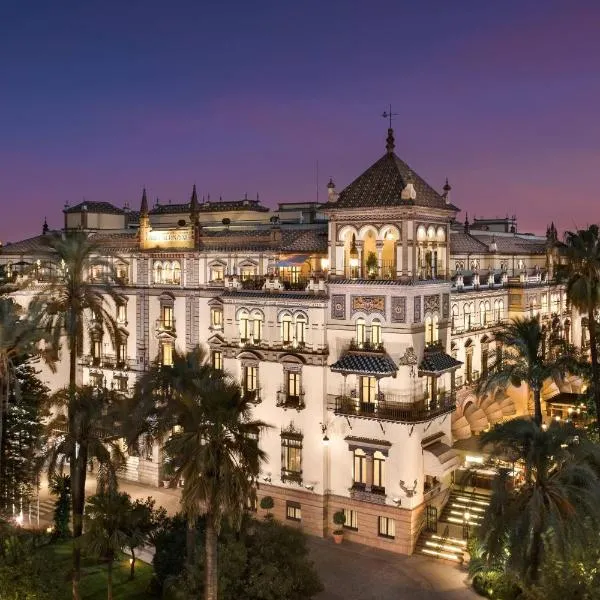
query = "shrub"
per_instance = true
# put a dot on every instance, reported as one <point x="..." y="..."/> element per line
<point x="339" y="518"/>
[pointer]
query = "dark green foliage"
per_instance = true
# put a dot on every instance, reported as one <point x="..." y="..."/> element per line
<point x="264" y="561"/>
<point x="60" y="486"/>
<point x="23" y="437"/>
<point x="267" y="503"/>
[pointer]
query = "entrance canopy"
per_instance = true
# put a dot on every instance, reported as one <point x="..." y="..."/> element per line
<point x="439" y="459"/>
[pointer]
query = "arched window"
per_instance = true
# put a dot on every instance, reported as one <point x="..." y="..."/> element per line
<point x="301" y="329"/>
<point x="167" y="273"/>
<point x="176" y="272"/>
<point x="376" y="333"/>
<point x="454" y="315"/>
<point x="428" y="330"/>
<point x="286" y="329"/>
<point x="467" y="316"/>
<point x="378" y="470"/>
<point x="421" y="233"/>
<point x="544" y="303"/>
<point x="257" y="326"/>
<point x="431" y="232"/>
<point x="244" y="324"/>
<point x="359" y="474"/>
<point x="441" y="234"/>
<point x="436" y="328"/>
<point x="158" y="272"/>
<point x="360" y="332"/>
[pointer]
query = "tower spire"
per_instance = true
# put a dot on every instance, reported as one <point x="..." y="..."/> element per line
<point x="194" y="205"/>
<point x="45" y="227"/>
<point x="144" y="205"/>
<point x="388" y="114"/>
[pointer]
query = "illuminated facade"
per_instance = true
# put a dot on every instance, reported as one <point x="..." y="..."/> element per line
<point x="363" y="321"/>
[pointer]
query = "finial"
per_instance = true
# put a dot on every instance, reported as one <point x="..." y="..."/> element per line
<point x="447" y="186"/>
<point x="390" y="145"/>
<point x="45" y="227"/>
<point x="144" y="205"/>
<point x="331" y="185"/>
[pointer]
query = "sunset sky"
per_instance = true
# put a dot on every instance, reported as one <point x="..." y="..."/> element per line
<point x="98" y="99"/>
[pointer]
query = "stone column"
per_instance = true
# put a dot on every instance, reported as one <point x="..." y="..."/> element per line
<point x="379" y="248"/>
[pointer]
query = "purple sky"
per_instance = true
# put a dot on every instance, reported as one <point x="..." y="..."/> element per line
<point x="98" y="101"/>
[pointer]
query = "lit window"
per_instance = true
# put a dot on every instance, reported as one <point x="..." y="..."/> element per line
<point x="166" y="317"/>
<point x="122" y="354"/>
<point x="167" y="354"/>
<point x="293" y="384"/>
<point x="360" y="467"/>
<point x="158" y="272"/>
<point x="360" y="332"/>
<point x="216" y="318"/>
<point x="121" y="313"/>
<point x="376" y="333"/>
<point x="167" y="273"/>
<point x="244" y="326"/>
<point x="217" y="360"/>
<point x="247" y="273"/>
<point x="386" y="527"/>
<point x="250" y="379"/>
<point x="257" y="326"/>
<point x="368" y="390"/>
<point x="122" y="384"/>
<point x="351" y="519"/>
<point x="379" y="470"/>
<point x="300" y="329"/>
<point x="291" y="457"/>
<point x="217" y="273"/>
<point x="293" y="511"/>
<point x="286" y="329"/>
<point x="176" y="273"/>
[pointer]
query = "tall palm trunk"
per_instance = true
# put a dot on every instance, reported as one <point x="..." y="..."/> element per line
<point x="132" y="565"/>
<point x="594" y="356"/>
<point x="110" y="581"/>
<point x="190" y="541"/>
<point x="537" y="405"/>
<point x="536" y="552"/>
<point x="210" y="573"/>
<point x="77" y="497"/>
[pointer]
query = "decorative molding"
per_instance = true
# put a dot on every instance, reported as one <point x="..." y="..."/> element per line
<point x="445" y="306"/>
<point x="398" y="309"/>
<point x="367" y="304"/>
<point x="432" y="303"/>
<point x="417" y="311"/>
<point x="338" y="306"/>
<point x="409" y="358"/>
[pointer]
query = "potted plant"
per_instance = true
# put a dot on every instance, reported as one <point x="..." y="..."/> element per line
<point x="267" y="503"/>
<point x="372" y="265"/>
<point x="339" y="518"/>
<point x="168" y="471"/>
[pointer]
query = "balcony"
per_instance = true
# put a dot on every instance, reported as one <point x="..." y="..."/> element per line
<point x="366" y="346"/>
<point x="253" y="282"/>
<point x="389" y="407"/>
<point x="252" y="396"/>
<point x="287" y="400"/>
<point x="166" y="325"/>
<point x="373" y="494"/>
<point x="108" y="361"/>
<point x="288" y="476"/>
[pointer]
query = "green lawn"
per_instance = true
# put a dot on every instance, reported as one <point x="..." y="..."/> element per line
<point x="93" y="576"/>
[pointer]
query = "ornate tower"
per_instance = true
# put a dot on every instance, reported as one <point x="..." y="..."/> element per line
<point x="144" y="221"/>
<point x="195" y="216"/>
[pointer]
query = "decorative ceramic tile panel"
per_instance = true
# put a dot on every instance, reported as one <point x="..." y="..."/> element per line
<point x="338" y="306"/>
<point x="398" y="309"/>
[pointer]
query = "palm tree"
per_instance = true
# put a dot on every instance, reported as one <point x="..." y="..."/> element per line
<point x="92" y="435"/>
<point x="106" y="528"/>
<point x="525" y="361"/>
<point x="72" y="299"/>
<point x="19" y="337"/>
<point x="212" y="443"/>
<point x="559" y="495"/>
<point x="583" y="289"/>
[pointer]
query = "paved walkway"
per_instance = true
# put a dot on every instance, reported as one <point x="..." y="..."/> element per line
<point x="348" y="571"/>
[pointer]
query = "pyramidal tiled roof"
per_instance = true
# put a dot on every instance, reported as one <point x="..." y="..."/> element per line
<point x="382" y="184"/>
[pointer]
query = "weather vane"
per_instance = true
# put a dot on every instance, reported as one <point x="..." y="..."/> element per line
<point x="389" y="115"/>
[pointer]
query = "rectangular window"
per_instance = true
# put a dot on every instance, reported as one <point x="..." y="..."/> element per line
<point x="293" y="512"/>
<point x="368" y="390"/>
<point x="122" y="384"/>
<point x="96" y="380"/>
<point x="217" y="360"/>
<point x="360" y="468"/>
<point x="386" y="528"/>
<point x="291" y="458"/>
<point x="286" y="330"/>
<point x="217" y="273"/>
<point x="167" y="354"/>
<point x="378" y="472"/>
<point x="351" y="519"/>
<point x="122" y="313"/>
<point x="216" y="318"/>
<point x="257" y="329"/>
<point x="293" y="384"/>
<point x="247" y="273"/>
<point x="376" y="334"/>
<point x="300" y="331"/>
<point x="250" y="378"/>
<point x="122" y="354"/>
<point x="166" y="317"/>
<point x="97" y="349"/>
<point x="244" y="328"/>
